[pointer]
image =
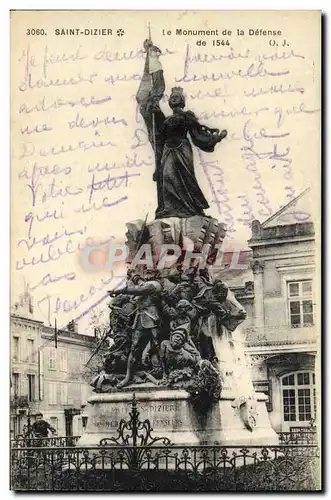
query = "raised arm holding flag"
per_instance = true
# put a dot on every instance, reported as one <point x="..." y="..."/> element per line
<point x="178" y="192"/>
<point x="149" y="94"/>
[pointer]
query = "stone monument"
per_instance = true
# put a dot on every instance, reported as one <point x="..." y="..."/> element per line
<point x="176" y="347"/>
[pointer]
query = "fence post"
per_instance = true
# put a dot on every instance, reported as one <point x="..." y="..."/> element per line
<point x="134" y="423"/>
<point x="29" y="430"/>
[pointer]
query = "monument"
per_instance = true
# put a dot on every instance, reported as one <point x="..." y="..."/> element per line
<point x="176" y="348"/>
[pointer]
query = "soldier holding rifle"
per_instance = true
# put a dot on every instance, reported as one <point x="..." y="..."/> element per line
<point x="146" y="325"/>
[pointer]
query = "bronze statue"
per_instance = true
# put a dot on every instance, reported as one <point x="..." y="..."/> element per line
<point x="167" y="327"/>
<point x="121" y="321"/>
<point x="185" y="315"/>
<point x="179" y="194"/>
<point x="179" y="357"/>
<point x="183" y="367"/>
<point x="146" y="324"/>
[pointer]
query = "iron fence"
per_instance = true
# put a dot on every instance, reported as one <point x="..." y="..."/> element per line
<point x="135" y="460"/>
<point x="166" y="468"/>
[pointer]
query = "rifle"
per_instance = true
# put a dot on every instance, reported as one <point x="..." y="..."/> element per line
<point x="128" y="291"/>
<point x="117" y="291"/>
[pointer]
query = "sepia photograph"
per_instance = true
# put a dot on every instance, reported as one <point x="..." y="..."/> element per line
<point x="165" y="303"/>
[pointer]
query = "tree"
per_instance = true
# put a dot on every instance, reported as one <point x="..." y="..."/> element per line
<point x="98" y="322"/>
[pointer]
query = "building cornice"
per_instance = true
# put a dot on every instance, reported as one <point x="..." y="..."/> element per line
<point x="296" y="255"/>
<point x="85" y="341"/>
<point x="278" y="241"/>
<point x="282" y="348"/>
<point x="23" y="319"/>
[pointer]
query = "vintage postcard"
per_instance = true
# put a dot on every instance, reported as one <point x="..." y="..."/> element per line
<point x="165" y="250"/>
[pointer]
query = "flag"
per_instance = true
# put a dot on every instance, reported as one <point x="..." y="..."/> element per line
<point x="55" y="334"/>
<point x="152" y="66"/>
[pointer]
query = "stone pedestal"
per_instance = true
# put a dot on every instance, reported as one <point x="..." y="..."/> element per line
<point x="223" y="424"/>
<point x="172" y="416"/>
<point x="168" y="412"/>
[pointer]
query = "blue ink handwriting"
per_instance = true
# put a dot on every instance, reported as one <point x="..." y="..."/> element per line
<point x="109" y="183"/>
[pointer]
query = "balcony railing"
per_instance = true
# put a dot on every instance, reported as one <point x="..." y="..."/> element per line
<point x="19" y="401"/>
<point x="300" y="437"/>
<point x="279" y="335"/>
<point x="26" y="441"/>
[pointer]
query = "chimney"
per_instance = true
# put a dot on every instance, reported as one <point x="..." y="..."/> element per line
<point x="72" y="326"/>
<point x="24" y="306"/>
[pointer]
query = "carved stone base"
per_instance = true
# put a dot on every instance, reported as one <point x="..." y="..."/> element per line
<point x="224" y="424"/>
<point x="172" y="416"/>
<point x="167" y="411"/>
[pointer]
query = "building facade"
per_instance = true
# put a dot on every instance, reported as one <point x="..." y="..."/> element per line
<point x="281" y="338"/>
<point x="48" y="373"/>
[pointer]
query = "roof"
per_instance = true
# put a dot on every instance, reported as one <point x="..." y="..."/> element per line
<point x="66" y="335"/>
<point x="297" y="211"/>
<point x="294" y="222"/>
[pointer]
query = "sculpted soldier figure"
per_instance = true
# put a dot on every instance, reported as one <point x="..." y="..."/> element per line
<point x="179" y="356"/>
<point x="185" y="315"/>
<point x="182" y="364"/>
<point x="121" y="321"/>
<point x="146" y="324"/>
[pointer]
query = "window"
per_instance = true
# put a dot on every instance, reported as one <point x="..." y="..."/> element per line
<point x="63" y="360"/>
<point x="31" y="353"/>
<point x="52" y="358"/>
<point x="32" y="387"/>
<point x="52" y="393"/>
<point x="16" y="384"/>
<point x="299" y="397"/>
<point x="300" y="303"/>
<point x="84" y="422"/>
<point x="16" y="348"/>
<point x="64" y="394"/>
